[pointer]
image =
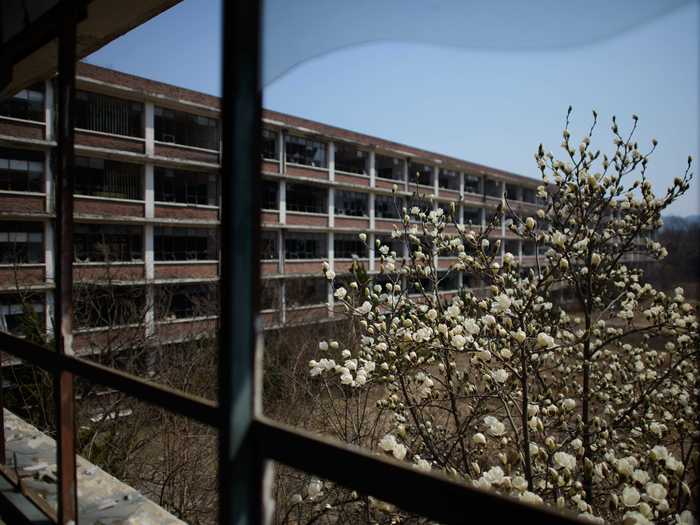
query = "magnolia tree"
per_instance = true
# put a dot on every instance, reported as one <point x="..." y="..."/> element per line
<point x="588" y="405"/>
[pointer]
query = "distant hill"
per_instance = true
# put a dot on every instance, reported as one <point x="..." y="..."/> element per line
<point x="674" y="222"/>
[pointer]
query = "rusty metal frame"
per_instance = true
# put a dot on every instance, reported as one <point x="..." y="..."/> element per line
<point x="247" y="439"/>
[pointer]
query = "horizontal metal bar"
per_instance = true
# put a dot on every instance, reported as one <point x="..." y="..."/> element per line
<point x="194" y="407"/>
<point x="429" y="494"/>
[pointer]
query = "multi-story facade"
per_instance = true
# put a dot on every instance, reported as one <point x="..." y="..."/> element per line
<point x="147" y="203"/>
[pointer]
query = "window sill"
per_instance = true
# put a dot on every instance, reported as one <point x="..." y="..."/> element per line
<point x="361" y="217"/>
<point x="352" y="174"/>
<point x="179" y="320"/>
<point x="306" y="166"/>
<point x="22" y="265"/>
<point x="23" y="193"/>
<point x="23" y="120"/>
<point x="306" y="306"/>
<point x="108" y="263"/>
<point x="185" y="146"/>
<point x="115" y="199"/>
<point x="186" y="205"/>
<point x="112" y="135"/>
<point x="186" y="261"/>
<point x="309" y="213"/>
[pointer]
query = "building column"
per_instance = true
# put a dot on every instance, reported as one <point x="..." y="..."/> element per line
<point x="49" y="270"/>
<point x="372" y="246"/>
<point x="405" y="174"/>
<point x="149" y="128"/>
<point x="371" y="211"/>
<point x="149" y="191"/>
<point x="461" y="184"/>
<point x="281" y="151"/>
<point x="331" y="207"/>
<point x="520" y="251"/>
<point x="283" y="202"/>
<point x="283" y="301"/>
<point x="372" y="169"/>
<point x="48" y="109"/>
<point x="331" y="263"/>
<point x="48" y="182"/>
<point x="150" y="317"/>
<point x="48" y="314"/>
<point x="436" y="180"/>
<point x="149" y="256"/>
<point x="331" y="161"/>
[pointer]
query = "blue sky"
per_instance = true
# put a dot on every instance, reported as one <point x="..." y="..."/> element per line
<point x="491" y="103"/>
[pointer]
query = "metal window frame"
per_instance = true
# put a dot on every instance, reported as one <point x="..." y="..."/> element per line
<point x="248" y="440"/>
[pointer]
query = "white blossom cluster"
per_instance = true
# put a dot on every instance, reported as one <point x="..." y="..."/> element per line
<point x="590" y="406"/>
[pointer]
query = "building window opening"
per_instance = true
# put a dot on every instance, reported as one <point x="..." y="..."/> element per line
<point x="178" y="127"/>
<point x="21" y="170"/>
<point x="348" y="246"/>
<point x="186" y="187"/>
<point x="108" y="178"/>
<point x="307" y="199"/>
<point x="269" y="149"/>
<point x="388" y="167"/>
<point x="308" y="152"/>
<point x="300" y="245"/>
<point x="449" y="180"/>
<point x="27" y="104"/>
<point x="107" y="242"/>
<point x="472" y="183"/>
<point x="21" y="242"/>
<point x="350" y="159"/>
<point x="351" y="203"/>
<point x="106" y="114"/>
<point x="386" y="207"/>
<point x="269" y="249"/>
<point x="306" y="292"/>
<point x="186" y="301"/>
<point x="270" y="195"/>
<point x="22" y="314"/>
<point x="185" y="244"/>
<point x="420" y="174"/>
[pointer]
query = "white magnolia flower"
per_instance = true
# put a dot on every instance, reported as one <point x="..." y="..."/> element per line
<point x="656" y="492"/>
<point x="640" y="476"/>
<point x="495" y="475"/>
<point x="495" y="427"/>
<point x="471" y="326"/>
<point x="630" y="497"/>
<point x="501" y="303"/>
<point x="530" y="497"/>
<point x="365" y="308"/>
<point x="323" y="345"/>
<point x="635" y="518"/>
<point x="500" y="375"/>
<point x="314" y="488"/>
<point x="564" y="460"/>
<point x="340" y="293"/>
<point x="686" y="518"/>
<point x="363" y="237"/>
<point x="519" y="483"/>
<point x="479" y="439"/>
<point x="387" y="443"/>
<point x="544" y="340"/>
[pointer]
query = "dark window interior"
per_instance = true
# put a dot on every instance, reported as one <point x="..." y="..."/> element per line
<point x="306" y="292"/>
<point x="100" y="306"/>
<point x="386" y="207"/>
<point x="347" y="246"/>
<point x="107" y="242"/>
<point x="449" y="179"/>
<point x="21" y="242"/>
<point x="108" y="114"/>
<point x="269" y="249"/>
<point x="420" y="173"/>
<point x="187" y="129"/>
<point x="350" y="159"/>
<point x="21" y="170"/>
<point x="22" y="314"/>
<point x="298" y="245"/>
<point x="268" y="145"/>
<point x="186" y="301"/>
<point x="27" y="104"/>
<point x="301" y="150"/>
<point x="108" y="178"/>
<point x="472" y="183"/>
<point x="187" y="187"/>
<point x="305" y="198"/>
<point x="472" y="215"/>
<point x="185" y="244"/>
<point x="352" y="203"/>
<point x="388" y="167"/>
<point x="270" y="195"/>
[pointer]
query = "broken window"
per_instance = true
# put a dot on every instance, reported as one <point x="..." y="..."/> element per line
<point x="106" y="114"/>
<point x="107" y="242"/>
<point x="27" y="104"/>
<point x="109" y="306"/>
<point x="270" y="195"/>
<point x="22" y="314"/>
<point x="187" y="187"/>
<point x="420" y="173"/>
<point x="302" y="150"/>
<point x="387" y="207"/>
<point x="352" y="203"/>
<point x="472" y="216"/>
<point x="493" y="188"/>
<point x="472" y="183"/>
<point x="350" y="159"/>
<point x="388" y="167"/>
<point x="268" y="147"/>
<point x="21" y="242"/>
<point x="306" y="198"/>
<point x="269" y="249"/>
<point x="178" y="127"/>
<point x="21" y="170"/>
<point x="108" y="178"/>
<point x="185" y="244"/>
<point x="348" y="246"/>
<point x="449" y="179"/>
<point x="306" y="292"/>
<point x="186" y="301"/>
<point x="301" y="245"/>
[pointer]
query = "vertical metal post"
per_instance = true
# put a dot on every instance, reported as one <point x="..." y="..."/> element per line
<point x="64" y="396"/>
<point x="240" y="459"/>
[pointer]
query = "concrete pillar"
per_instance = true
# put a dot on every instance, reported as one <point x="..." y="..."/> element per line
<point x="283" y="202"/>
<point x="48" y="182"/>
<point x="48" y="109"/>
<point x="283" y="301"/>
<point x="460" y="177"/>
<point x="282" y="151"/>
<point x="280" y="251"/>
<point x="372" y="169"/>
<point x="436" y="180"/>
<point x="405" y="174"/>
<point x="48" y="314"/>
<point x="331" y="161"/>
<point x="150" y="317"/>
<point x="49" y="244"/>
<point x="149" y="256"/>
<point x="149" y="191"/>
<point x="331" y="251"/>
<point x="331" y="207"/>
<point x="372" y="246"/>
<point x="372" y="198"/>
<point x="149" y="128"/>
